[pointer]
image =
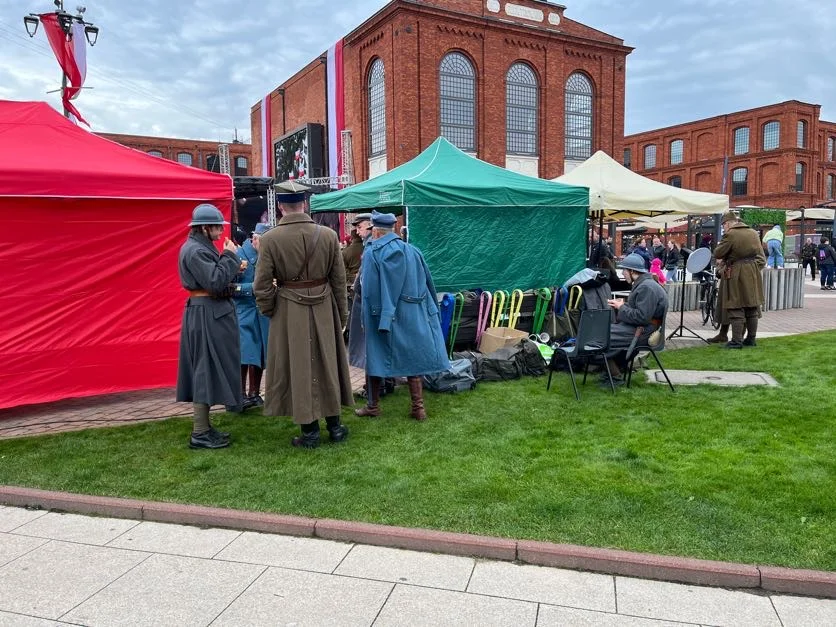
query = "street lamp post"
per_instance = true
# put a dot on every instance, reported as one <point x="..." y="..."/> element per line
<point x="66" y="21"/>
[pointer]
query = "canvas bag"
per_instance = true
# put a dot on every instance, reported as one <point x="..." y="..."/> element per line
<point x="457" y="379"/>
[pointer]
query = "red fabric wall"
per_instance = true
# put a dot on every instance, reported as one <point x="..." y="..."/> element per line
<point x="92" y="301"/>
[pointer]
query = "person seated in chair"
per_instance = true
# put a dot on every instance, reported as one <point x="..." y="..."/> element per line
<point x="645" y="307"/>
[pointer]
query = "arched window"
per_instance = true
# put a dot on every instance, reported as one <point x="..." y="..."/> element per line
<point x="677" y="150"/>
<point x="740" y="186"/>
<point x="458" y="101"/>
<point x="802" y="134"/>
<point x="741" y="140"/>
<point x="675" y="181"/>
<point x="831" y="149"/>
<point x="377" y="110"/>
<point x="240" y="166"/>
<point x="829" y="190"/>
<point x="649" y="157"/>
<point x="521" y="110"/>
<point x="184" y="157"/>
<point x="771" y="135"/>
<point x="155" y="153"/>
<point x="213" y="163"/>
<point x="800" y="171"/>
<point x="579" y="117"/>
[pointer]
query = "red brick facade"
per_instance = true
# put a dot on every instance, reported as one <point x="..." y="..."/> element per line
<point x="412" y="36"/>
<point x="199" y="154"/>
<point x="771" y="173"/>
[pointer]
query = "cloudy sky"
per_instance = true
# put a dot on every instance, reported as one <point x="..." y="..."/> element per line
<point x="193" y="68"/>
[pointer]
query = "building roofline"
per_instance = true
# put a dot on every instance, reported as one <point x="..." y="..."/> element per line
<point x="157" y="138"/>
<point x="718" y="117"/>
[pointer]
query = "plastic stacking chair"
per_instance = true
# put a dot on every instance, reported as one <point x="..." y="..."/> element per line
<point x="593" y="340"/>
<point x="637" y="347"/>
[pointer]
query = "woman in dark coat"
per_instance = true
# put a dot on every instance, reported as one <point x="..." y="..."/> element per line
<point x="208" y="371"/>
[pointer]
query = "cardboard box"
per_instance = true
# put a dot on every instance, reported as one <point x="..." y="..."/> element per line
<point x="498" y="337"/>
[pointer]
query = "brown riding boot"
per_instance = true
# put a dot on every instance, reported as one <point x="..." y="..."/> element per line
<point x="722" y="335"/>
<point x="372" y="407"/>
<point x="416" y="391"/>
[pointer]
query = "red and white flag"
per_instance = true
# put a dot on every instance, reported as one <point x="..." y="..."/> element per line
<point x="71" y="56"/>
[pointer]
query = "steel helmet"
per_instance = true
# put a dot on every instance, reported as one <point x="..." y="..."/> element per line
<point x="207" y="215"/>
<point x="634" y="262"/>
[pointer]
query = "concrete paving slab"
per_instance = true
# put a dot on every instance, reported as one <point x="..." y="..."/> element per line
<point x="19" y="620"/>
<point x="806" y="612"/>
<point x="167" y="590"/>
<point x="289" y="552"/>
<point x="693" y="604"/>
<point x="12" y="547"/>
<point x="410" y="567"/>
<point x="711" y="377"/>
<point x="13" y="517"/>
<point x="412" y="606"/>
<point x="291" y="597"/>
<point x="54" y="578"/>
<point x="175" y="539"/>
<point x="76" y="528"/>
<point x="553" y="616"/>
<point x="544" y="585"/>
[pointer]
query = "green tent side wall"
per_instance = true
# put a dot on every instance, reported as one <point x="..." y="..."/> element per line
<point x="499" y="248"/>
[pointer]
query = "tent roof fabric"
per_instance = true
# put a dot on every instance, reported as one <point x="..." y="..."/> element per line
<point x="37" y="141"/>
<point x="621" y="193"/>
<point x="442" y="175"/>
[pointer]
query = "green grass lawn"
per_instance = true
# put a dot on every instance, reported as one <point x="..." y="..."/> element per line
<point x="737" y="474"/>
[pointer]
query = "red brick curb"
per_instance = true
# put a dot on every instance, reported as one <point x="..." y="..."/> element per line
<point x="644" y="565"/>
<point x="418" y="539"/>
<point x="610" y="561"/>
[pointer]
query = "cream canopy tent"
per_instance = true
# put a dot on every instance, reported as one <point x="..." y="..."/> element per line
<point x="813" y="214"/>
<point x="623" y="194"/>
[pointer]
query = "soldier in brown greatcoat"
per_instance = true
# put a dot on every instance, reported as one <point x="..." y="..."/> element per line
<point x="741" y="287"/>
<point x="300" y="285"/>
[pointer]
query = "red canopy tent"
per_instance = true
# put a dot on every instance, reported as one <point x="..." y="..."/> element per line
<point x="91" y="300"/>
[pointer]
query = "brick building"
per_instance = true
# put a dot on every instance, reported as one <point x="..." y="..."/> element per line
<point x="518" y="84"/>
<point x="780" y="155"/>
<point x="196" y="153"/>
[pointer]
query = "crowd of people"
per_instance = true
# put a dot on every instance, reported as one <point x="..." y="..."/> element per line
<point x="292" y="301"/>
<point x="280" y="303"/>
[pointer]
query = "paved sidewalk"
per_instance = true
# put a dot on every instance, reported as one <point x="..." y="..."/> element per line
<point x="72" y="569"/>
<point x="818" y="314"/>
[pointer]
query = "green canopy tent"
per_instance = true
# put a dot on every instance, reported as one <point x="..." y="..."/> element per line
<point x="478" y="225"/>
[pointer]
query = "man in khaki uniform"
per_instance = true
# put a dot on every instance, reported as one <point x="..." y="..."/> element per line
<point x="741" y="287"/>
<point x="300" y="285"/>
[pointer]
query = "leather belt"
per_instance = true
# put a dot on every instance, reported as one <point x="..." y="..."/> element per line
<point x="298" y="285"/>
<point x="194" y="293"/>
<point x="657" y="322"/>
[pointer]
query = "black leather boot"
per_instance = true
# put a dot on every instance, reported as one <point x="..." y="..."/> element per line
<point x="309" y="437"/>
<point x="337" y="432"/>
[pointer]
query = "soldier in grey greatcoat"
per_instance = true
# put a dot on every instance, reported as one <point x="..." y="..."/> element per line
<point x="741" y="290"/>
<point x="300" y="284"/>
<point x="208" y="370"/>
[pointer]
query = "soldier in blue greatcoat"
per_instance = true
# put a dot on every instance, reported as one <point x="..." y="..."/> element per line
<point x="400" y="316"/>
<point x="253" y="327"/>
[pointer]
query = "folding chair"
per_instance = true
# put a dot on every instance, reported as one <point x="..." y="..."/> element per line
<point x="636" y="347"/>
<point x="593" y="339"/>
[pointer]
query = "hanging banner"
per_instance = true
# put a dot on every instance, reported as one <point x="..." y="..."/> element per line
<point x="266" y="137"/>
<point x="64" y="48"/>
<point x="336" y="117"/>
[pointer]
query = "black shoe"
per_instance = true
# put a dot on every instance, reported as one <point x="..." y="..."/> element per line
<point x="750" y="341"/>
<point x="617" y="380"/>
<point x="338" y="433"/>
<point x="257" y="400"/>
<point x="252" y="401"/>
<point x="208" y="439"/>
<point x="234" y="409"/>
<point x="733" y="344"/>
<point x="223" y="435"/>
<point x="306" y="440"/>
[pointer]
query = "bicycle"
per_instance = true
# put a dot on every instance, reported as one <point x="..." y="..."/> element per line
<point x="708" y="299"/>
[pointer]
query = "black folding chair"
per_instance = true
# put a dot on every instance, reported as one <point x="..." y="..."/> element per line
<point x="593" y="340"/>
<point x="637" y="347"/>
